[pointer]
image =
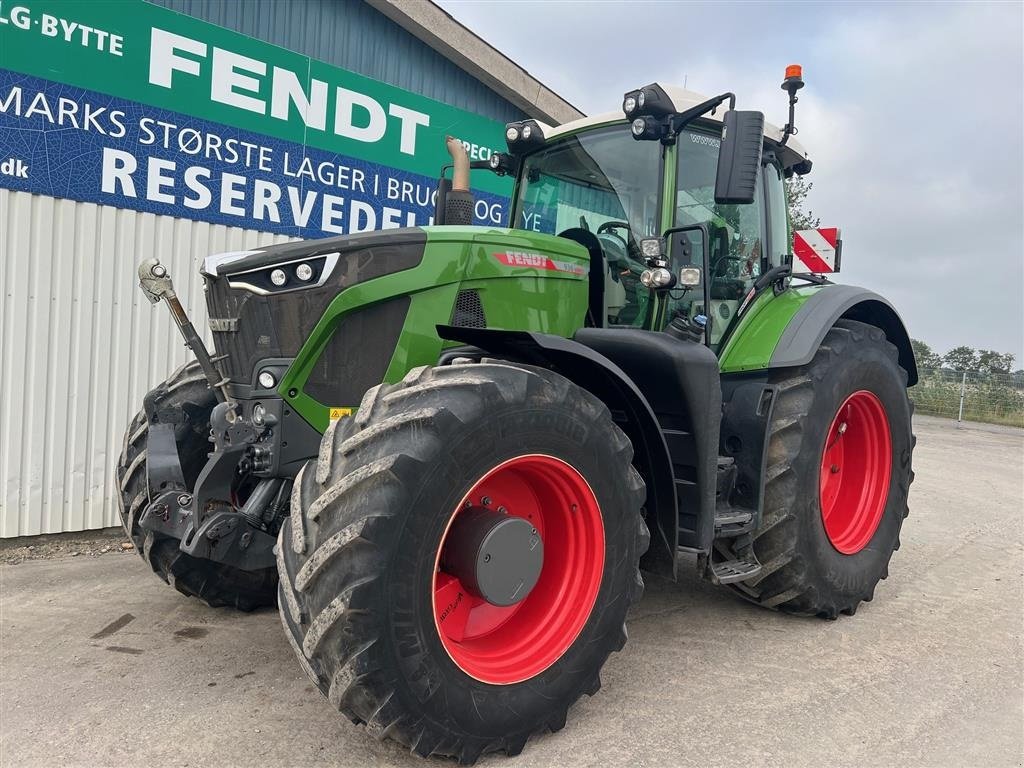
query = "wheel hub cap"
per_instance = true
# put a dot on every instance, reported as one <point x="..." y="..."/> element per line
<point x="496" y="556"/>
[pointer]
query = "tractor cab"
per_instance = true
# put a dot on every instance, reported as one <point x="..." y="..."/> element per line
<point x="655" y="177"/>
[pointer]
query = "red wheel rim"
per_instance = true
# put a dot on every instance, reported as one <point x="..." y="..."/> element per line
<point x="504" y="645"/>
<point x="855" y="468"/>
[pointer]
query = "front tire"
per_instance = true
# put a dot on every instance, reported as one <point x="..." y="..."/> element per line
<point x="838" y="477"/>
<point x="365" y="595"/>
<point x="215" y="584"/>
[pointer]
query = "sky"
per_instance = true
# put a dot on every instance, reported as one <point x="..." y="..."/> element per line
<point x="913" y="115"/>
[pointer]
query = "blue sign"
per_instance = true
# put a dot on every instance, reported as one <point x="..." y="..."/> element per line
<point x="64" y="141"/>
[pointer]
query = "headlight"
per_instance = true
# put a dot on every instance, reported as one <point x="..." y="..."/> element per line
<point x="641" y="99"/>
<point x="304" y="272"/>
<point x="657" y="278"/>
<point x="278" y="277"/>
<point x="512" y="133"/>
<point x="267" y="380"/>
<point x="629" y="105"/>
<point x="259" y="414"/>
<point x="639" y="126"/>
<point x="527" y="131"/>
<point x="494" y="161"/>
<point x="661" y="278"/>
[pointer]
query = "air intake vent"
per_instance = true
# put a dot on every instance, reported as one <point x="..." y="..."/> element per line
<point x="468" y="312"/>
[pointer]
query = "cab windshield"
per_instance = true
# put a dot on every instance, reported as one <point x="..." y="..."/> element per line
<point x="604" y="182"/>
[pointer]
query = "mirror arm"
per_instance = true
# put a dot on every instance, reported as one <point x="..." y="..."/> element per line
<point x="682" y="119"/>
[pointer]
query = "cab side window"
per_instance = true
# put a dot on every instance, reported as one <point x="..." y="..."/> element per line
<point x="735" y="235"/>
<point x="779" y="237"/>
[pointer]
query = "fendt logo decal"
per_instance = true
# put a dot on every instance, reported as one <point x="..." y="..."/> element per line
<point x="538" y="261"/>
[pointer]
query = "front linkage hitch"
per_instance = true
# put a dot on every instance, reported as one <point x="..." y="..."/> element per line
<point x="205" y="519"/>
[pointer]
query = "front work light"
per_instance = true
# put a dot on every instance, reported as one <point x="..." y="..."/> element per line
<point x="524" y="136"/>
<point x="647" y="129"/>
<point x="651" y="247"/>
<point x="689" y="276"/>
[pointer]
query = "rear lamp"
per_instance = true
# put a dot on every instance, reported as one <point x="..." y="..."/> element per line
<point x="266" y="380"/>
<point x="304" y="272"/>
<point x="278" y="277"/>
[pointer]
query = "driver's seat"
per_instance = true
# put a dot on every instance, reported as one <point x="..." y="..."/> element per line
<point x="595" y="302"/>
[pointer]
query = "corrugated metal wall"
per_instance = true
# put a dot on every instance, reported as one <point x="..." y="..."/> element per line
<point x="352" y="35"/>
<point x="80" y="345"/>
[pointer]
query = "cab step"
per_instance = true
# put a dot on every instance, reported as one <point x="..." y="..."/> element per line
<point x="729" y="571"/>
<point x="729" y="519"/>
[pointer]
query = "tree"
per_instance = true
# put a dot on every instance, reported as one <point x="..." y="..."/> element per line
<point x="926" y="358"/>
<point x="990" y="361"/>
<point x="961" y="359"/>
<point x="797" y="189"/>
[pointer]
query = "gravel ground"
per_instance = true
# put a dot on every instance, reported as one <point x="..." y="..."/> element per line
<point x="92" y="543"/>
<point x="103" y="665"/>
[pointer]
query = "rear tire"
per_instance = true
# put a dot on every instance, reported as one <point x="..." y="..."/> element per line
<point x="215" y="584"/>
<point x="359" y="557"/>
<point x="811" y="567"/>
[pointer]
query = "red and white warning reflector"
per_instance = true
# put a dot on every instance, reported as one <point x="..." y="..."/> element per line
<point x="817" y="250"/>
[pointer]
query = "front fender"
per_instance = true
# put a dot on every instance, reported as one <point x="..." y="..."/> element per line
<point x="786" y="331"/>
<point x="608" y="382"/>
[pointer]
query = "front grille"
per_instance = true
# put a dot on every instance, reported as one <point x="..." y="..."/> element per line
<point x="256" y="336"/>
<point x="468" y="311"/>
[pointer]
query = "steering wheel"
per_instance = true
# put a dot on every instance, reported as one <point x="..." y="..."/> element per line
<point x="632" y="249"/>
<point x="721" y="260"/>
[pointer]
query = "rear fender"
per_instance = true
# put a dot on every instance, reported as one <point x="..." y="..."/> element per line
<point x="630" y="410"/>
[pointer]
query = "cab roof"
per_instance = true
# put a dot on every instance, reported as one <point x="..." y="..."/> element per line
<point x="682" y="99"/>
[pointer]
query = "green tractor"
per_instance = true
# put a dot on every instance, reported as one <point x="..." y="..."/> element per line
<point x="447" y="453"/>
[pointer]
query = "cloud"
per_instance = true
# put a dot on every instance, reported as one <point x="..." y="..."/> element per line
<point x="912" y="114"/>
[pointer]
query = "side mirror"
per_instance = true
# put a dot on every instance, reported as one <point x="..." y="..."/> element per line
<point x="739" y="159"/>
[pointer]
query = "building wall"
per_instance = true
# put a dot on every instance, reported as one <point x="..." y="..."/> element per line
<point x="352" y="35"/>
<point x="79" y="344"/>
